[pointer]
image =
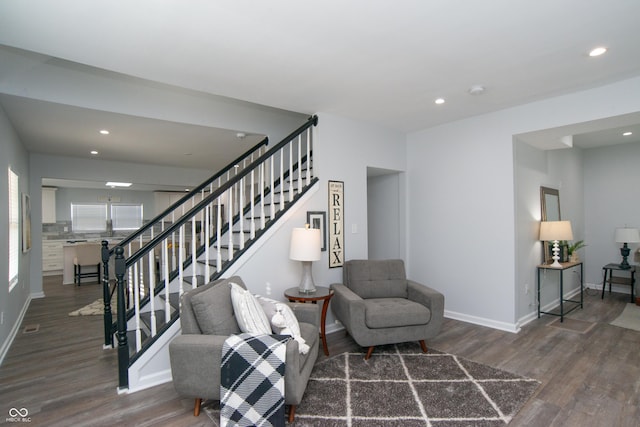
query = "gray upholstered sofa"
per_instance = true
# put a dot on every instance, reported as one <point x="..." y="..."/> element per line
<point x="378" y="305"/>
<point x="207" y="319"/>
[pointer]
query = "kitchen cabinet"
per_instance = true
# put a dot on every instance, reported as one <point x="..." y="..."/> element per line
<point x="164" y="199"/>
<point x="52" y="258"/>
<point x="48" y="205"/>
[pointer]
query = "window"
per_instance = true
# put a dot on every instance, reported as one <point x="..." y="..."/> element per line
<point x="126" y="217"/>
<point x="88" y="217"/>
<point x="14" y="228"/>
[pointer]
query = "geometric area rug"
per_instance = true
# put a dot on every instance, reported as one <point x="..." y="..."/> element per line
<point x="96" y="308"/>
<point x="401" y="386"/>
<point x="630" y="317"/>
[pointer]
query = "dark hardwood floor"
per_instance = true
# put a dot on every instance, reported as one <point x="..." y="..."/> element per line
<point x="63" y="377"/>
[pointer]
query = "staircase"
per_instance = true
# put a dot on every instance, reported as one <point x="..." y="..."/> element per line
<point x="203" y="236"/>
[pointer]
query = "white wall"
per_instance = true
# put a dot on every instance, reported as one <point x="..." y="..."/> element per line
<point x="12" y="304"/>
<point x="461" y="217"/>
<point x="462" y="200"/>
<point x="612" y="200"/>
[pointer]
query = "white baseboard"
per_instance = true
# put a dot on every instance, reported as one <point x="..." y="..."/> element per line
<point x="490" y="323"/>
<point x="509" y="327"/>
<point x="14" y="331"/>
<point x="621" y="289"/>
<point x="334" y="327"/>
<point x="550" y="306"/>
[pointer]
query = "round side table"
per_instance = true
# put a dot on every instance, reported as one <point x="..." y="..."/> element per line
<point x="321" y="294"/>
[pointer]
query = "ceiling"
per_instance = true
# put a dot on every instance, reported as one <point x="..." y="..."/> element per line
<point x="64" y="130"/>
<point x="362" y="59"/>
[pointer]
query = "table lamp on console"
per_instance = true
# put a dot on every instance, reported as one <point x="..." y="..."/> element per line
<point x="626" y="235"/>
<point x="554" y="231"/>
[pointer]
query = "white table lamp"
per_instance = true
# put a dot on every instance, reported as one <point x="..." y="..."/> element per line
<point x="554" y="231"/>
<point x="306" y="244"/>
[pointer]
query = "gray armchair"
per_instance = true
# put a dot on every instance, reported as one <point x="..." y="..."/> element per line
<point x="207" y="319"/>
<point x="378" y="305"/>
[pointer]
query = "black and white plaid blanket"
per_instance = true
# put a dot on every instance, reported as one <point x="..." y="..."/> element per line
<point x="252" y="380"/>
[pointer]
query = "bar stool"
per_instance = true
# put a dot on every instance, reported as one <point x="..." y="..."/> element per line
<point x="87" y="262"/>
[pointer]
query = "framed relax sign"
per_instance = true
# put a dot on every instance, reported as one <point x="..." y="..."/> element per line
<point x="336" y="224"/>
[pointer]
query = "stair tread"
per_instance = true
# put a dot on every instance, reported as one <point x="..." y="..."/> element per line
<point x="189" y="280"/>
<point x="174" y="299"/>
<point x="145" y="317"/>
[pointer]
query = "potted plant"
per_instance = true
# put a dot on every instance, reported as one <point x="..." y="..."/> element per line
<point x="571" y="250"/>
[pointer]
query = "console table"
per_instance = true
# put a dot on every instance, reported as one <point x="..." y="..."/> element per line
<point x="565" y="266"/>
<point x="620" y="280"/>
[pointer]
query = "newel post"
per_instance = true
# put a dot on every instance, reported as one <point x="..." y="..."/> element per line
<point x="123" y="347"/>
<point x="106" y="296"/>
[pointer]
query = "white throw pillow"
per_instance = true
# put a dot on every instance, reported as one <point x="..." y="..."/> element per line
<point x="283" y="320"/>
<point x="269" y="307"/>
<point x="248" y="311"/>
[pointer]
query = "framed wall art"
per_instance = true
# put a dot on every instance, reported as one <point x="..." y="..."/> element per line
<point x="336" y="224"/>
<point x="318" y="219"/>
<point x="26" y="223"/>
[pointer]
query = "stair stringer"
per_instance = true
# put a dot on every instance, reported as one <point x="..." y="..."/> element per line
<point x="153" y="366"/>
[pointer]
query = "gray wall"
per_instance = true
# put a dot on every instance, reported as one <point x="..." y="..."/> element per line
<point x="12" y="304"/>
<point x="385" y="210"/>
<point x="612" y="200"/>
<point x="561" y="170"/>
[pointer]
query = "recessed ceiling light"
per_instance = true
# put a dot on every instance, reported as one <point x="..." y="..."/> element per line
<point x="597" y="51"/>
<point x="627" y="134"/>
<point x="94" y="152"/>
<point x="439" y="101"/>
<point x="118" y="184"/>
<point x="104" y="132"/>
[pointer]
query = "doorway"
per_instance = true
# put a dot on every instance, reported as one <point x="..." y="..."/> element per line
<point x="386" y="213"/>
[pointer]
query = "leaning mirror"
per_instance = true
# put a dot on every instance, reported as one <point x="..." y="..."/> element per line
<point x="550" y="202"/>
<point x="550" y="211"/>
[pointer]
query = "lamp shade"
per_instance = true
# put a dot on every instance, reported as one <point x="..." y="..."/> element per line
<point x="555" y="230"/>
<point x="306" y="244"/>
<point x="627" y="235"/>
